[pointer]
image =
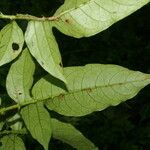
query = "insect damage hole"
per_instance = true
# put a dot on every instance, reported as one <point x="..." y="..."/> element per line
<point x="15" y="46"/>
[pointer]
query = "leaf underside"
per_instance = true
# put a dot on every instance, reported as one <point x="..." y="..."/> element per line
<point x="20" y="78"/>
<point x="68" y="134"/>
<point x="84" y="18"/>
<point x="77" y="18"/>
<point x="38" y="122"/>
<point x="90" y="88"/>
<point x="11" y="42"/>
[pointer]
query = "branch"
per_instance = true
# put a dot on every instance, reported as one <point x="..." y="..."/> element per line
<point x="3" y="110"/>
<point x="18" y="106"/>
<point x="27" y="17"/>
<point x="23" y="131"/>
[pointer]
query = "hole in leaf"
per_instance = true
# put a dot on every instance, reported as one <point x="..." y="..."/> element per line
<point x="19" y="93"/>
<point x="15" y="46"/>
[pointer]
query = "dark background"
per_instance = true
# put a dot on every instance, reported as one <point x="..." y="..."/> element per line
<point x="126" y="43"/>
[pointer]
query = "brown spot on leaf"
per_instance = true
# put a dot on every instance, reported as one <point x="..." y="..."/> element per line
<point x="61" y="96"/>
<point x="67" y="21"/>
<point x="88" y="90"/>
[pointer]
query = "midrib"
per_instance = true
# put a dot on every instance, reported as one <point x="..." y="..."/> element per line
<point x="97" y="87"/>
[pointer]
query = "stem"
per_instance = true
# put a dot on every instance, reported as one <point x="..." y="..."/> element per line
<point x="3" y="110"/>
<point x="18" y="106"/>
<point x="27" y="17"/>
<point x="23" y="131"/>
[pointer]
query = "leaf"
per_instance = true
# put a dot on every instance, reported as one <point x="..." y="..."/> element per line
<point x="11" y="42"/>
<point x="44" y="48"/>
<point x="79" y="18"/>
<point x="12" y="142"/>
<point x="38" y="122"/>
<point x="1" y="125"/>
<point x="90" y="88"/>
<point x="15" y="122"/>
<point x="20" y="78"/>
<point x="68" y="134"/>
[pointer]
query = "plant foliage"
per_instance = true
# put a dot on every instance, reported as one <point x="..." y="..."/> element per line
<point x="69" y="91"/>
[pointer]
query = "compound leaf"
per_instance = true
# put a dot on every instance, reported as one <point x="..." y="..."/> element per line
<point x="38" y="122"/>
<point x="70" y="135"/>
<point x="44" y="48"/>
<point x="20" y="78"/>
<point x="79" y="18"/>
<point x="11" y="42"/>
<point x="90" y="88"/>
<point x="12" y="142"/>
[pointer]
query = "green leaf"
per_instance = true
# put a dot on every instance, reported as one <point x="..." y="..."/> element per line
<point x="1" y="125"/>
<point x="15" y="122"/>
<point x="12" y="142"/>
<point x="20" y="78"/>
<point x="90" y="88"/>
<point x="38" y="122"/>
<point x="70" y="135"/>
<point x="44" y="48"/>
<point x="79" y="18"/>
<point x="11" y="42"/>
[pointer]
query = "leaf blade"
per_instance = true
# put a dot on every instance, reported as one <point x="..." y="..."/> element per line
<point x="70" y="135"/>
<point x="12" y="142"/>
<point x="9" y="35"/>
<point x="91" y="88"/>
<point x="20" y="78"/>
<point x="1" y="125"/>
<point x="38" y="122"/>
<point x="15" y="122"/>
<point x="43" y="47"/>
<point x="84" y="18"/>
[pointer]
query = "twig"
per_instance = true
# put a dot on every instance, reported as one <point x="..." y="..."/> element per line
<point x="23" y="131"/>
<point x="27" y="17"/>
